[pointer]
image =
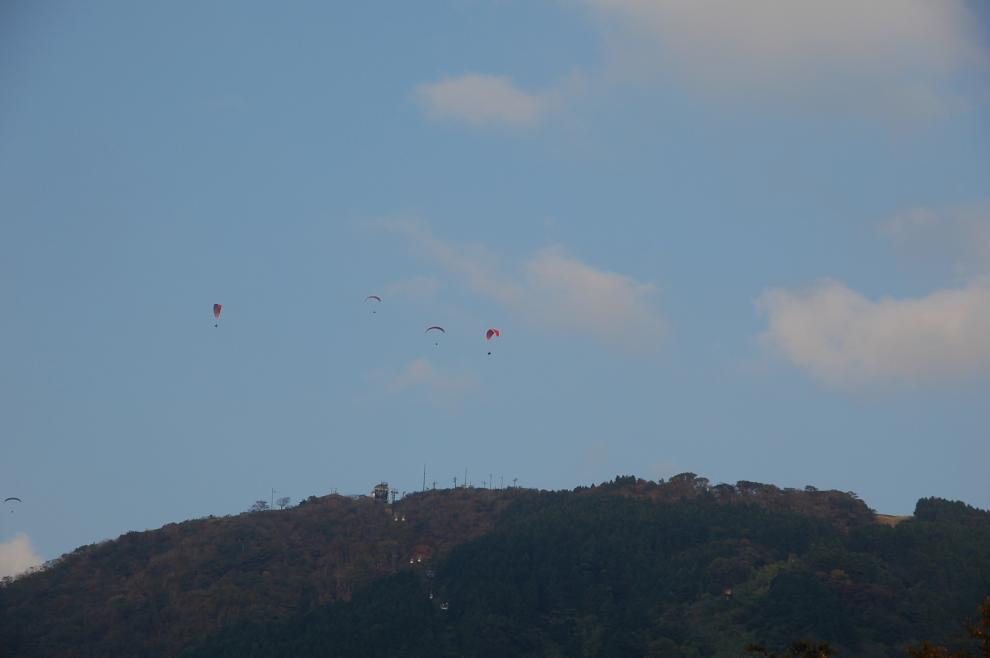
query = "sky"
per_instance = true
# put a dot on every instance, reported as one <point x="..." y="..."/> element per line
<point x="749" y="242"/>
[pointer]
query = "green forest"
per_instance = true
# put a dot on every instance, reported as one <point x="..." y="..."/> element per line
<point x="627" y="568"/>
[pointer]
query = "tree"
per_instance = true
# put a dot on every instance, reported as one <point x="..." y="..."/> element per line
<point x="978" y="630"/>
<point x="259" y="506"/>
<point x="283" y="502"/>
<point x="796" y="650"/>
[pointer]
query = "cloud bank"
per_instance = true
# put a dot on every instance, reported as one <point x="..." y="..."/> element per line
<point x="17" y="556"/>
<point x="552" y="290"/>
<point x="894" y="58"/>
<point x="785" y="36"/>
<point x="844" y="339"/>
<point x="907" y="44"/>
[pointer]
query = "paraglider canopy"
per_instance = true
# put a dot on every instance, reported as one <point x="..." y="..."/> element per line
<point x="374" y="297"/>
<point x="216" y="313"/>
<point x="435" y="328"/>
<point x="492" y="333"/>
<point x="7" y="500"/>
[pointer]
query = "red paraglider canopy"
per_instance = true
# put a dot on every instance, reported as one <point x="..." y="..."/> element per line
<point x="216" y="310"/>
<point x="492" y="332"/>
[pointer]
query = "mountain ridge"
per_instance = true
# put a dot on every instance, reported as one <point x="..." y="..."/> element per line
<point x="185" y="585"/>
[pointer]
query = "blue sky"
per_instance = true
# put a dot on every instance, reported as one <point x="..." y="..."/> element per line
<point x="752" y="245"/>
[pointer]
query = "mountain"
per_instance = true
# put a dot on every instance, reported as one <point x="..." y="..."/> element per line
<point x="154" y="593"/>
<point x="628" y="568"/>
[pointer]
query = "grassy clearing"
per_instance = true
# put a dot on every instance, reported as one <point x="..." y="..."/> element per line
<point x="890" y="519"/>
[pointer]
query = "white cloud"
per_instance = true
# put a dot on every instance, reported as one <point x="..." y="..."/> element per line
<point x="553" y="290"/>
<point x="845" y="339"/>
<point x="891" y="58"/>
<point x="900" y="50"/>
<point x="443" y="387"/>
<point x="17" y="556"/>
<point x="564" y="293"/>
<point x="473" y="264"/>
<point x="482" y="100"/>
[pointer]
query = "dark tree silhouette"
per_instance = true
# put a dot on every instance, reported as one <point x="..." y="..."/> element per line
<point x="978" y="630"/>
<point x="798" y="649"/>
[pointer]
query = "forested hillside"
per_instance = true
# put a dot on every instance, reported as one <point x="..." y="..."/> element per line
<point x="630" y="568"/>
<point x="153" y="593"/>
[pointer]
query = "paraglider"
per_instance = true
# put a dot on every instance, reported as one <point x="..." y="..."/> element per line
<point x="7" y="500"/>
<point x="492" y="333"/>
<point x="373" y="298"/>
<point x="216" y="314"/>
<point x="435" y="328"/>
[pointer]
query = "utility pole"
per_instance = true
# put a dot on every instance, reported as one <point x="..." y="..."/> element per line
<point x="501" y="482"/>
<point x="424" y="477"/>
<point x="465" y="476"/>
<point x="273" y="498"/>
<point x="434" y="485"/>
<point x="455" y="481"/>
<point x="491" y="483"/>
<point x="514" y="480"/>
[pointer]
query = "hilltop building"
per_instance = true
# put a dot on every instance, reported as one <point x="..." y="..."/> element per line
<point x="380" y="492"/>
